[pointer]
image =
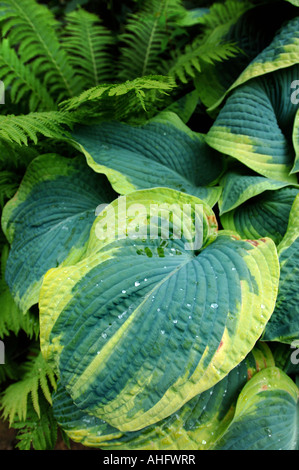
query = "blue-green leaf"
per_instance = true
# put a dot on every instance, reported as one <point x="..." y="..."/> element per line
<point x="162" y="152"/>
<point x="48" y="220"/>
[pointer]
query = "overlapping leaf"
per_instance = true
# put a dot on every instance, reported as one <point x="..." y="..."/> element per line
<point x="197" y="425"/>
<point x="255" y="124"/>
<point x="163" y="152"/>
<point x="255" y="206"/>
<point x="284" y="323"/>
<point x="266" y="416"/>
<point x="49" y="219"/>
<point x="142" y="324"/>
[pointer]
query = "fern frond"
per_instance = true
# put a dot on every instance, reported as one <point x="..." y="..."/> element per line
<point x="12" y="319"/>
<point x="221" y="16"/>
<point x="88" y="44"/>
<point x="146" y="37"/>
<point x="131" y="99"/>
<point x="186" y="65"/>
<point x="39" y="433"/>
<point x="37" y="376"/>
<point x="33" y="28"/>
<point x="22" y="81"/>
<point x="29" y="126"/>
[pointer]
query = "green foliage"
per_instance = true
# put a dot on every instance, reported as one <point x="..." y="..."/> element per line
<point x="88" y="45"/>
<point x="159" y="101"/>
<point x="38" y="432"/>
<point x="35" y="375"/>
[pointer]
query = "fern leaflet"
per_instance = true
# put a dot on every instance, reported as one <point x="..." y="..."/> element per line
<point x="33" y="28"/>
<point x="146" y="37"/>
<point x="23" y="127"/>
<point x="88" y="44"/>
<point x="36" y="375"/>
<point x="22" y="81"/>
<point x="128" y="100"/>
<point x="37" y="432"/>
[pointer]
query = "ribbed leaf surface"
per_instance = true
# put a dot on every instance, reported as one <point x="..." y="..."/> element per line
<point x="284" y="323"/>
<point x="141" y="325"/>
<point x="49" y="219"/>
<point x="255" y="124"/>
<point x="266" y="417"/>
<point x="264" y="215"/>
<point x="197" y="425"/>
<point x="163" y="152"/>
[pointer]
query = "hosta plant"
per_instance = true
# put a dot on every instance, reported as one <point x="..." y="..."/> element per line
<point x="150" y="225"/>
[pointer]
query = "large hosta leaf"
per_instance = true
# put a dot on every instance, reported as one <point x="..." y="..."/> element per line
<point x="196" y="425"/>
<point x="255" y="125"/>
<point x="284" y="323"/>
<point x="48" y="220"/>
<point x="163" y="152"/>
<point x="142" y="324"/>
<point x="266" y="416"/>
<point x="281" y="53"/>
<point x="255" y="206"/>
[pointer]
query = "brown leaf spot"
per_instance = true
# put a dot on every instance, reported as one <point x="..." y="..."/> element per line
<point x="253" y="242"/>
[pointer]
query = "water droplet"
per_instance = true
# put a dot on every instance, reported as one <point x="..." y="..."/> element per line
<point x="137" y="283"/>
<point x="122" y="314"/>
<point x="145" y="279"/>
<point x="158" y="309"/>
<point x="162" y="332"/>
<point x="104" y="335"/>
<point x="175" y="321"/>
<point x="262" y="306"/>
<point x="214" y="305"/>
<point x="188" y="305"/>
<point x="234" y="269"/>
<point x="124" y="291"/>
<point x="203" y="441"/>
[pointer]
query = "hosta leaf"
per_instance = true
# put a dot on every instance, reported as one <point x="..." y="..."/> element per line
<point x="48" y="220"/>
<point x="266" y="416"/>
<point x="284" y="323"/>
<point x="239" y="186"/>
<point x="281" y="53"/>
<point x="163" y="152"/>
<point x="264" y="215"/>
<point x="254" y="125"/>
<point x="196" y="425"/>
<point x="142" y="324"/>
